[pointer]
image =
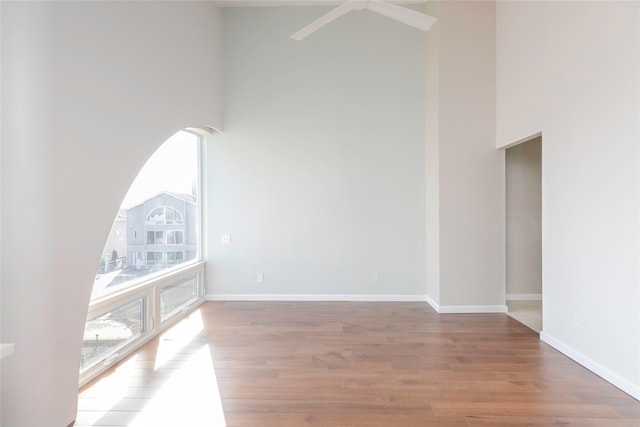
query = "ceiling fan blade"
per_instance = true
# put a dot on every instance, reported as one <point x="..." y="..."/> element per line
<point x="402" y="14"/>
<point x="324" y="20"/>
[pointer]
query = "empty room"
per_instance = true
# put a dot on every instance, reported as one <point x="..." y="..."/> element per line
<point x="290" y="213"/>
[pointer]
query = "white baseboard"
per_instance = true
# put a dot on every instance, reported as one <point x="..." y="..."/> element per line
<point x="370" y="298"/>
<point x="622" y="383"/>
<point x="471" y="309"/>
<point x="465" y="309"/>
<point x="433" y="304"/>
<point x="315" y="297"/>
<point x="524" y="297"/>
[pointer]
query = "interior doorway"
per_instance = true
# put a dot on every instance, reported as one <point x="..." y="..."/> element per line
<point x="523" y="174"/>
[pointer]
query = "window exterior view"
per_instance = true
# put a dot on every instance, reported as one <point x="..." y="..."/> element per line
<point x="162" y="231"/>
<point x="157" y="225"/>
<point x="155" y="232"/>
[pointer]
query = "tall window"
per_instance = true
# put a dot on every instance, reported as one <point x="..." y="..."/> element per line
<point x="160" y="213"/>
<point x="150" y="258"/>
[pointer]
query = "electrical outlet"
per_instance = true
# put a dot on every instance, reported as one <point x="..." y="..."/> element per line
<point x="225" y="239"/>
<point x="375" y="278"/>
<point x="260" y="277"/>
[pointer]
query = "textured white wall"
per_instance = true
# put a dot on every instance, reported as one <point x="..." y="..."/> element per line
<point x="319" y="177"/>
<point x="524" y="217"/>
<point x="575" y="78"/>
<point x="468" y="188"/>
<point x="90" y="90"/>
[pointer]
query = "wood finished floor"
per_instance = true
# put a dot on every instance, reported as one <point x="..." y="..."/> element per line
<point x="349" y="364"/>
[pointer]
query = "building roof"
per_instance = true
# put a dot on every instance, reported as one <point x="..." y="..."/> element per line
<point x="182" y="196"/>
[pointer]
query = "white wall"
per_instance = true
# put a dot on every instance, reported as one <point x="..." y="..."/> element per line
<point x="28" y="297"/>
<point x="319" y="175"/>
<point x="432" y="154"/>
<point x="0" y="175"/>
<point x="575" y="78"/>
<point x="524" y="218"/>
<point x="465" y="197"/>
<point x="90" y="90"/>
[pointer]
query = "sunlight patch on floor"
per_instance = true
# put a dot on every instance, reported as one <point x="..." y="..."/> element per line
<point x="116" y="384"/>
<point x="189" y="397"/>
<point x="176" y="338"/>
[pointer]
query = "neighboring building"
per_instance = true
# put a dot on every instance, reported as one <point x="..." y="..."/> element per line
<point x="162" y="231"/>
<point x="116" y="242"/>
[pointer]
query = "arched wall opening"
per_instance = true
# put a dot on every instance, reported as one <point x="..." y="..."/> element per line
<point x="150" y="271"/>
<point x="80" y="116"/>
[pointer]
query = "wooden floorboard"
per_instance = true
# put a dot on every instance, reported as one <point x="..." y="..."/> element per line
<point x="349" y="364"/>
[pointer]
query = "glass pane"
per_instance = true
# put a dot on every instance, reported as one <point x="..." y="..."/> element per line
<point x="173" y="216"/>
<point x="174" y="258"/>
<point x="106" y="334"/>
<point x="159" y="216"/>
<point x="174" y="237"/>
<point x="155" y="259"/>
<point x="174" y="297"/>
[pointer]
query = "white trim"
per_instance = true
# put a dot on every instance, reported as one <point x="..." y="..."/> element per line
<point x="150" y="292"/>
<point x="155" y="329"/>
<point x="200" y="144"/>
<point x="433" y="304"/>
<point x="605" y="373"/>
<point x="315" y="297"/>
<point x="105" y="303"/>
<point x="520" y="141"/>
<point x="371" y="298"/>
<point x="471" y="309"/>
<point x="524" y="297"/>
<point x="90" y="373"/>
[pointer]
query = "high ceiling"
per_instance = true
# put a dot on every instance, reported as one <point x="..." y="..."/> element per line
<point x="265" y="3"/>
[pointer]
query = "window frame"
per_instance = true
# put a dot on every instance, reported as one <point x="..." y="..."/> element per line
<point x="149" y="287"/>
<point x="144" y="299"/>
<point x="174" y="284"/>
<point x="150" y="291"/>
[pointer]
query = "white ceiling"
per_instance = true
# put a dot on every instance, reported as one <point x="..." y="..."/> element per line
<point x="265" y="3"/>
